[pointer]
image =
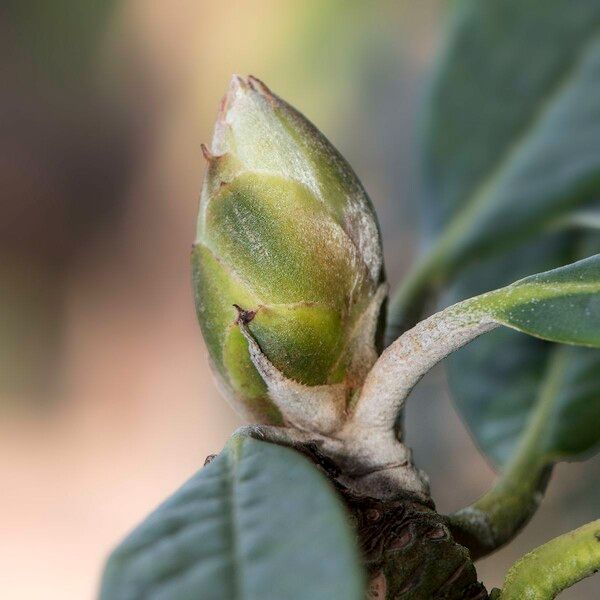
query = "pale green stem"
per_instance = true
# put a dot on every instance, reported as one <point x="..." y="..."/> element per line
<point x="546" y="571"/>
<point x="499" y="514"/>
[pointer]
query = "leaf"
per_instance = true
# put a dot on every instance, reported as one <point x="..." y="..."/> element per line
<point x="258" y="522"/>
<point x="511" y="148"/>
<point x="513" y="124"/>
<point x="561" y="305"/>
<point x="500" y="379"/>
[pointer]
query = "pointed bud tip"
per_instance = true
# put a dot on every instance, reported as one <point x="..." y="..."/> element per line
<point x="240" y="85"/>
<point x="244" y="94"/>
<point x="248" y="83"/>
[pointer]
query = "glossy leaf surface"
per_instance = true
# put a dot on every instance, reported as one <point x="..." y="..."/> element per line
<point x="561" y="305"/>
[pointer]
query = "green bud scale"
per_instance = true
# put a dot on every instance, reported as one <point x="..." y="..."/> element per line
<point x="287" y="234"/>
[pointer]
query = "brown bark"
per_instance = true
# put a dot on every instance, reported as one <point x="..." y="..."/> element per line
<point x="408" y="550"/>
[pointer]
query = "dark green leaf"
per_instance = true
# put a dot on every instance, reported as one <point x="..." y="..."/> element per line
<point x="258" y="522"/>
<point x="499" y="378"/>
<point x="513" y="135"/>
<point x="512" y="147"/>
<point x="560" y="305"/>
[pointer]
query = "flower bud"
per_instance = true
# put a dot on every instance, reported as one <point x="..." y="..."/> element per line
<point x="288" y="235"/>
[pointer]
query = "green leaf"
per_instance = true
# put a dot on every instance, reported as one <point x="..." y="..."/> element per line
<point x="513" y="125"/>
<point x="499" y="380"/>
<point x="512" y="148"/>
<point x="529" y="403"/>
<point x="512" y="135"/>
<point x="561" y="305"/>
<point x="258" y="522"/>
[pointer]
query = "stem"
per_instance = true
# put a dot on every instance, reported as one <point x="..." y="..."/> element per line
<point x="499" y="514"/>
<point x="555" y="566"/>
<point x="404" y="363"/>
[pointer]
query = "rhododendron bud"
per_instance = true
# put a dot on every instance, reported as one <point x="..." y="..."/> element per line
<point x="287" y="257"/>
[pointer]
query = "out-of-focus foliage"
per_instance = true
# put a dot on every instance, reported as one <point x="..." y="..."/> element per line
<point x="61" y="37"/>
<point x="512" y="144"/>
<point x="513" y="129"/>
<point x="500" y="378"/>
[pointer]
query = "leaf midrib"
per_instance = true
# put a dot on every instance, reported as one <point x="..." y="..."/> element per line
<point x="526" y="293"/>
<point x="237" y="563"/>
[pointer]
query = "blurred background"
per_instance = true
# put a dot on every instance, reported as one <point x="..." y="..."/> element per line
<point x="106" y="400"/>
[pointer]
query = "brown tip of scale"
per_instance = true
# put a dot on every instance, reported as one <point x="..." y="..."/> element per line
<point x="208" y="155"/>
<point x="261" y="88"/>
<point x="237" y="81"/>
<point x="244" y="84"/>
<point x="244" y="316"/>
